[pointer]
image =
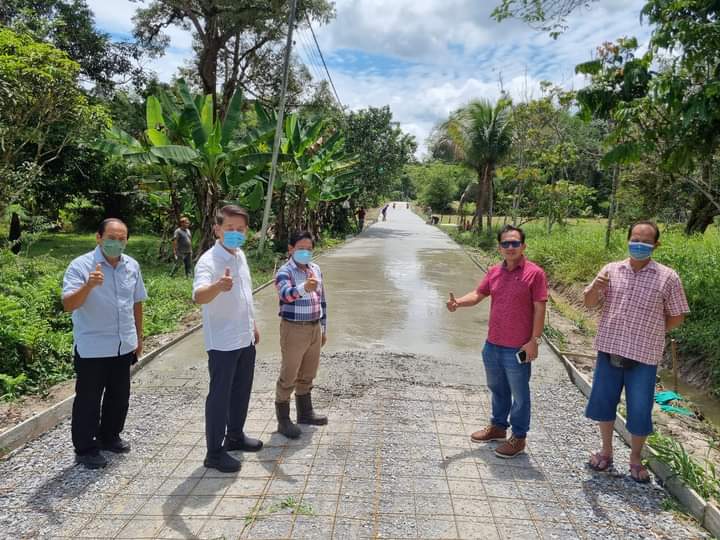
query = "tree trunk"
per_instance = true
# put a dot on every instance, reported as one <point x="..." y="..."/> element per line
<point x="207" y="199"/>
<point x="15" y="232"/>
<point x="702" y="214"/>
<point x="281" y="235"/>
<point x="613" y="205"/>
<point x="516" y="204"/>
<point x="490" y="195"/>
<point x="207" y="66"/>
<point x="481" y="199"/>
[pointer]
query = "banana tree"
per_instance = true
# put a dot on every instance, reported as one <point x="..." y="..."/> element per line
<point x="314" y="170"/>
<point x="184" y="131"/>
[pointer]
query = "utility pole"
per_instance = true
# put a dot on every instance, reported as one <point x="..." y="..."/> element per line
<point x="279" y="127"/>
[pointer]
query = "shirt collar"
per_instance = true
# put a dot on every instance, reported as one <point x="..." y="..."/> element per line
<point x="223" y="253"/>
<point x="650" y="267"/>
<point x="99" y="258"/>
<point x="520" y="265"/>
<point x="294" y="265"/>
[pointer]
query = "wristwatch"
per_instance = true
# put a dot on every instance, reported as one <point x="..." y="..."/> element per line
<point x="538" y="340"/>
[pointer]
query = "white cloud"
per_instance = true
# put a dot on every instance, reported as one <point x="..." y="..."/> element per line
<point x="426" y="58"/>
<point x="456" y="52"/>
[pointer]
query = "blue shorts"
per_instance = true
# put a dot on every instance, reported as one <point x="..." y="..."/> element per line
<point x="608" y="383"/>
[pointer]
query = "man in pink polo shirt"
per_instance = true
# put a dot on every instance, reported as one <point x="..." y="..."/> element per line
<point x="518" y="292"/>
<point x="641" y="301"/>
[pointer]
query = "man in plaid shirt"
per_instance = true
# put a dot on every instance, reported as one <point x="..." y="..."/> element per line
<point x="641" y="301"/>
<point x="303" y="332"/>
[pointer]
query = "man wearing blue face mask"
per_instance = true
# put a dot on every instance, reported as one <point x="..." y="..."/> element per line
<point x="303" y="332"/>
<point x="223" y="287"/>
<point x="641" y="301"/>
<point x="104" y="290"/>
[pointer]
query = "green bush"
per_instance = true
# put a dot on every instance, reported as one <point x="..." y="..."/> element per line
<point x="35" y="332"/>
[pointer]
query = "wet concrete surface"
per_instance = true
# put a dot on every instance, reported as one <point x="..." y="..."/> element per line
<point x="386" y="289"/>
<point x="402" y="382"/>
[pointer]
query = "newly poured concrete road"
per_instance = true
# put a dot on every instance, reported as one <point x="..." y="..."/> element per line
<point x="402" y="382"/>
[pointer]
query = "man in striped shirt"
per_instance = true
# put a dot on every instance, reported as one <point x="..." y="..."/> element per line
<point x="303" y="332"/>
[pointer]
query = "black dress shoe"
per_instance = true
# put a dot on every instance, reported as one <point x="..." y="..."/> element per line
<point x="223" y="462"/>
<point x="246" y="444"/>
<point x="91" y="460"/>
<point x="117" y="446"/>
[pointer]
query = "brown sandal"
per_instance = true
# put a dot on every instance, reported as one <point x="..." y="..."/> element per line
<point x="602" y="463"/>
<point x="636" y="471"/>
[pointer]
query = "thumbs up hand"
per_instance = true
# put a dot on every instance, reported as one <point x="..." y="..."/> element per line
<point x="601" y="282"/>
<point x="311" y="283"/>
<point x="452" y="304"/>
<point x="96" y="277"/>
<point x="225" y="283"/>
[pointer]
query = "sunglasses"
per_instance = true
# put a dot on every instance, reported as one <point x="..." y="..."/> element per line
<point x="510" y="243"/>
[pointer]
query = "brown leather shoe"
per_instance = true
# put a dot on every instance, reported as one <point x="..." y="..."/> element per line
<point x="489" y="433"/>
<point x="510" y="448"/>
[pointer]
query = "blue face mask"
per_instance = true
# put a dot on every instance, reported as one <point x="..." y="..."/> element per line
<point x="640" y="250"/>
<point x="302" y="256"/>
<point x="233" y="239"/>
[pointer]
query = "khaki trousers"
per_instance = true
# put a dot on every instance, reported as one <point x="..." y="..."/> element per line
<point x="300" y="346"/>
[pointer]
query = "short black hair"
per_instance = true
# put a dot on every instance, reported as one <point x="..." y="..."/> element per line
<point x="510" y="228"/>
<point x="645" y="222"/>
<point x="231" y="210"/>
<point x="105" y="222"/>
<point x="301" y="235"/>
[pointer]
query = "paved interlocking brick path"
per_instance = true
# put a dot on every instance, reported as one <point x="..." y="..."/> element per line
<point x="395" y="462"/>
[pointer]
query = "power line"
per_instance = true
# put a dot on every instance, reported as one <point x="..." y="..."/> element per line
<point x="310" y="58"/>
<point x="323" y="61"/>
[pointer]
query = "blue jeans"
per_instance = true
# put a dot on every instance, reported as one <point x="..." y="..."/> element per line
<point x="608" y="383"/>
<point x="509" y="383"/>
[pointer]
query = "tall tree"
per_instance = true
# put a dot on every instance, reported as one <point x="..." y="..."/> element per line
<point x="43" y="112"/>
<point x="70" y="26"/>
<point x="231" y="36"/>
<point x="382" y="150"/>
<point x="619" y="79"/>
<point x="690" y="91"/>
<point x="478" y="135"/>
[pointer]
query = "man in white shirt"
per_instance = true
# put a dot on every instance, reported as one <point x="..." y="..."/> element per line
<point x="223" y="286"/>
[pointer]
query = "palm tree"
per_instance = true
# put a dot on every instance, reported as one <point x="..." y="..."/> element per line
<point x="478" y="135"/>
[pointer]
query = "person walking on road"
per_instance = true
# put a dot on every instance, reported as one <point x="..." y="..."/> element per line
<point x="303" y="332"/>
<point x="361" y="218"/>
<point x="104" y="290"/>
<point x="223" y="287"/>
<point x="518" y="292"/>
<point x="641" y="301"/>
<point x="182" y="247"/>
<point x="384" y="211"/>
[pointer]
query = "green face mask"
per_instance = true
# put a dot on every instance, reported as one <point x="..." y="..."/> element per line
<point x="113" y="248"/>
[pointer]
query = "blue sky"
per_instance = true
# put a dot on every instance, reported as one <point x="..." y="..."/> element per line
<point x="426" y="58"/>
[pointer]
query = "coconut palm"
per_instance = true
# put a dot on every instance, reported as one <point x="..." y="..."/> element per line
<point x="478" y="135"/>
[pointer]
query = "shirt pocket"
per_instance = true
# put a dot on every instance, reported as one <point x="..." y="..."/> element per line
<point x="126" y="282"/>
<point x="651" y="299"/>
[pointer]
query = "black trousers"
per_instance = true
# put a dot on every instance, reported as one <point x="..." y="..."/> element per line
<point x="187" y="261"/>
<point x="226" y="406"/>
<point x="102" y="398"/>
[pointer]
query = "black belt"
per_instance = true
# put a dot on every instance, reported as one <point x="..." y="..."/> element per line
<point x="622" y="362"/>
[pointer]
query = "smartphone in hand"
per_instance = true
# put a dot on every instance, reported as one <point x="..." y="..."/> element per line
<point x="521" y="357"/>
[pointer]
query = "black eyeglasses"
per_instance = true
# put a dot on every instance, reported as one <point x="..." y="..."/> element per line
<point x="510" y="243"/>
